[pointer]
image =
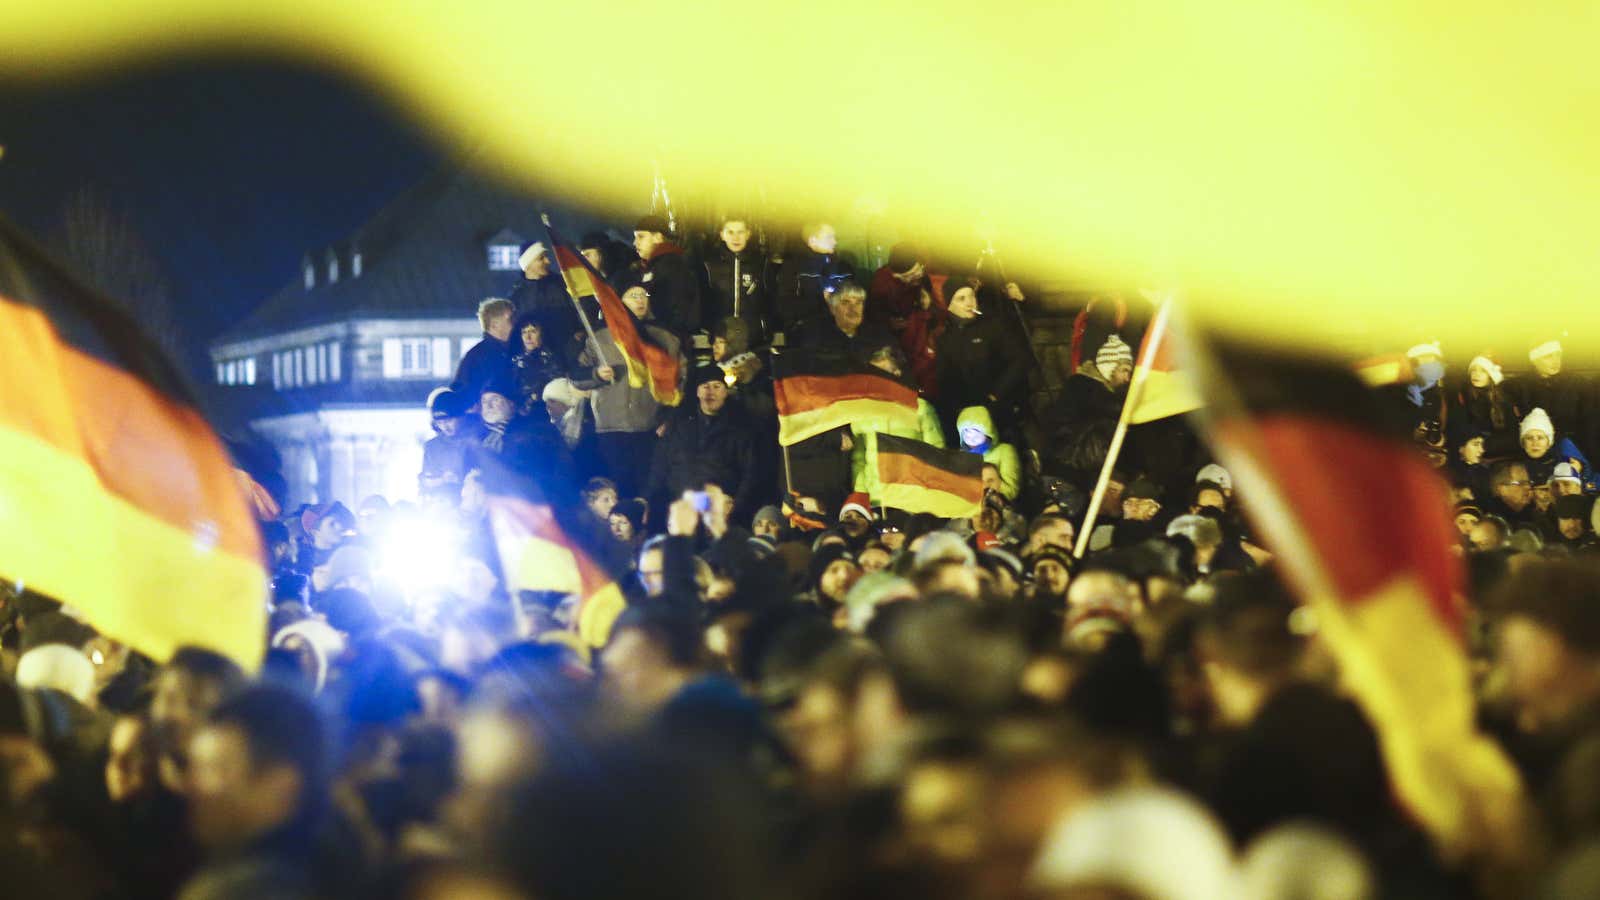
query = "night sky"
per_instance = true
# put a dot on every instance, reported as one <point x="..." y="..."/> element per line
<point x="228" y="171"/>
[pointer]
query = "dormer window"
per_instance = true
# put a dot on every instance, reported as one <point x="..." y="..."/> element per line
<point x="311" y="275"/>
<point x="355" y="264"/>
<point x="333" y="267"/>
<point x="505" y="248"/>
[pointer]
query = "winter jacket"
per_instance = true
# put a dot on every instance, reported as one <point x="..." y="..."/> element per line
<point x="927" y="431"/>
<point x="535" y="369"/>
<point x="825" y="334"/>
<point x="1488" y="411"/>
<point x="801" y="279"/>
<point x="1084" y="417"/>
<point x="889" y="298"/>
<point x="618" y="406"/>
<point x="1001" y="456"/>
<point x="488" y="360"/>
<point x="1566" y="397"/>
<point x="674" y="288"/>
<point x="976" y="361"/>
<point x="920" y="339"/>
<point x="698" y="448"/>
<point x="739" y="285"/>
<point x="446" y="459"/>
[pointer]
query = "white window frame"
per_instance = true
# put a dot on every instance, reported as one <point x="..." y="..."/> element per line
<point x="408" y="357"/>
<point x="334" y="357"/>
<point x="250" y="370"/>
<point x="504" y="257"/>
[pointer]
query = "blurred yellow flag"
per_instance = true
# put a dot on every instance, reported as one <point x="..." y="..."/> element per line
<point x="1311" y="173"/>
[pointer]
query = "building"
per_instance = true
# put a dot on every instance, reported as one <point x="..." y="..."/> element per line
<point x="335" y="369"/>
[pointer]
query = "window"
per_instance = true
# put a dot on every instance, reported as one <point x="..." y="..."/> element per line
<point x="231" y="371"/>
<point x="277" y="370"/>
<point x="219" y="374"/>
<point x="503" y="257"/>
<point x="333" y="267"/>
<point x="467" y="343"/>
<point x="355" y="264"/>
<point x="441" y="357"/>
<point x="311" y="276"/>
<point x="299" y="367"/>
<point x="333" y="360"/>
<point x="250" y="370"/>
<point x="408" y="357"/>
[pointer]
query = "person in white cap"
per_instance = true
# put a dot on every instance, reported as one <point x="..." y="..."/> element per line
<point x="1087" y="409"/>
<point x="542" y="297"/>
<point x="1216" y="474"/>
<point x="1551" y="388"/>
<point x="1426" y="397"/>
<point x="1481" y="406"/>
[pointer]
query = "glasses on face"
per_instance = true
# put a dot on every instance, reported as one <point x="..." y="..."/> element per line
<point x="1519" y="484"/>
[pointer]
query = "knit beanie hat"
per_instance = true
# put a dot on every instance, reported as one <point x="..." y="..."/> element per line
<point x="1547" y="348"/>
<point x="1496" y="374"/>
<point x="1538" y="420"/>
<point x="1114" y="352"/>
<point x="530" y="254"/>
<point x="1565" y="472"/>
<point x="1573" y="506"/>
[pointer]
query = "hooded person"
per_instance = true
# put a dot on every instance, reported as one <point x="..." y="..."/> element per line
<point x="673" y="284"/>
<point x="1086" y="411"/>
<point x="975" y="428"/>
<point x="976" y="364"/>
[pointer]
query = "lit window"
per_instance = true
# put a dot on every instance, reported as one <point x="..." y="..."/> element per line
<point x="250" y="370"/>
<point x="407" y="357"/>
<point x="333" y="268"/>
<point x="233" y="373"/>
<point x="311" y="276"/>
<point x="333" y="359"/>
<point x="503" y="257"/>
<point x="219" y="374"/>
<point x="441" y="357"/>
<point x="277" y="370"/>
<point x="355" y="264"/>
<point x="299" y="367"/>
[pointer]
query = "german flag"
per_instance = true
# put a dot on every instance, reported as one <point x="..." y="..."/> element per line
<point x="817" y="391"/>
<point x="537" y="555"/>
<point x="1361" y="526"/>
<point x="648" y="362"/>
<point x="922" y="478"/>
<point x="1159" y="388"/>
<point x="115" y="496"/>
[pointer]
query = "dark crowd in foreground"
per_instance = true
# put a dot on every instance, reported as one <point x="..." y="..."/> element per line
<point x="809" y="695"/>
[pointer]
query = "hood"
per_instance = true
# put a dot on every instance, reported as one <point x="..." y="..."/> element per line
<point x="976" y="417"/>
<point x="1090" y="370"/>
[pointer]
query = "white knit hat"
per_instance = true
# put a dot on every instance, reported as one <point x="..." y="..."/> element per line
<point x="58" y="667"/>
<point x="1496" y="374"/>
<point x="530" y="254"/>
<point x="1428" y="349"/>
<point x="1215" y="474"/>
<point x="1114" y="352"/>
<point x="1545" y="349"/>
<point x="1538" y="420"/>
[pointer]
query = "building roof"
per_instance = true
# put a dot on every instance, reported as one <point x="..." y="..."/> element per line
<point x="424" y="255"/>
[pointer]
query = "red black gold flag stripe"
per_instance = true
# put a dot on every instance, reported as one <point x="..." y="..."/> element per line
<point x="115" y="496"/>
<point x="1308" y="443"/>
<point x="819" y="391"/>
<point x="922" y="478"/>
<point x="537" y="555"/>
<point x="649" y="363"/>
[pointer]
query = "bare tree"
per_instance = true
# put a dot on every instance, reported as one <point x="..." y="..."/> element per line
<point x="103" y="248"/>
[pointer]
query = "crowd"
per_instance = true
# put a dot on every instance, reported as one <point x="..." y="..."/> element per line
<point x="808" y="694"/>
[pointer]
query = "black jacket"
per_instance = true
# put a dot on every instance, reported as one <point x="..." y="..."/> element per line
<point x="488" y="360"/>
<point x="824" y="334"/>
<point x="975" y="358"/>
<point x="747" y="296"/>
<point x="674" y="290"/>
<point x="800" y="282"/>
<point x="546" y="302"/>
<point x="1082" y="420"/>
<point x="698" y="448"/>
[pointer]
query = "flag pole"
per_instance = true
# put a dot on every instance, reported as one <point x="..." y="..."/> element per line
<point x="1141" y="372"/>
<point x="599" y="356"/>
